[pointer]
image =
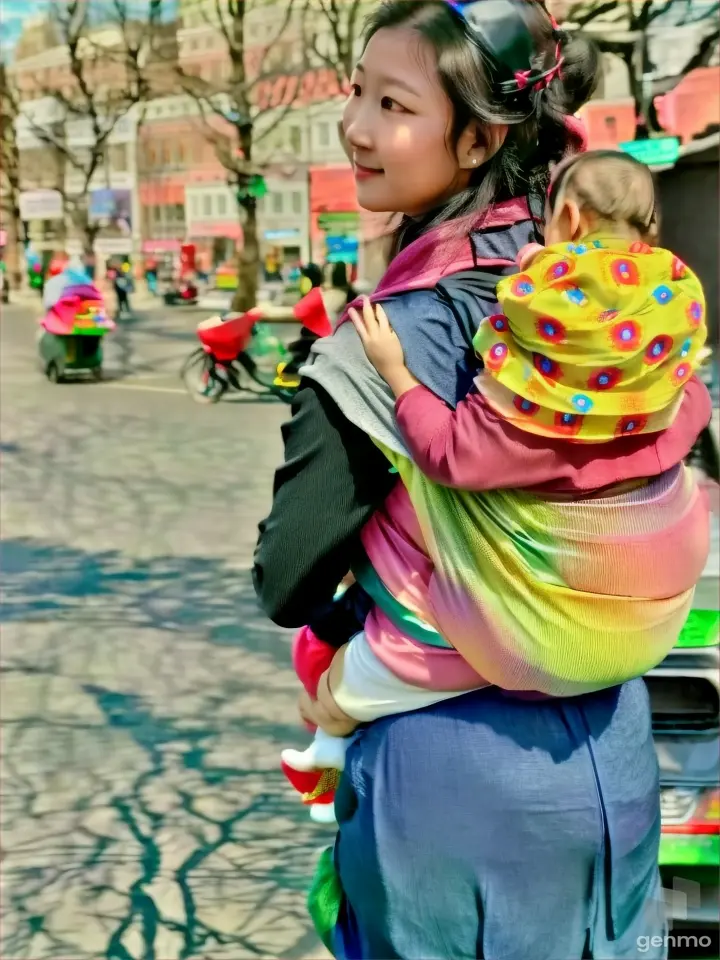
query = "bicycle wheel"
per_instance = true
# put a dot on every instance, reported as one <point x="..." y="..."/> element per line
<point x="201" y="382"/>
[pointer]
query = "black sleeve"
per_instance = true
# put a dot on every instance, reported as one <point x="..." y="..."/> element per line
<point x="332" y="481"/>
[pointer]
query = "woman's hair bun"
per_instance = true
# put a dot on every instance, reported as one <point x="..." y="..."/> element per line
<point x="580" y="73"/>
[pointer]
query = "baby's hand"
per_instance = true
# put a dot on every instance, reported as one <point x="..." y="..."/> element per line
<point x="527" y="254"/>
<point x="381" y="343"/>
<point x="382" y="346"/>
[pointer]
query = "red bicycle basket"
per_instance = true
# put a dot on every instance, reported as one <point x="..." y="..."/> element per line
<point x="228" y="339"/>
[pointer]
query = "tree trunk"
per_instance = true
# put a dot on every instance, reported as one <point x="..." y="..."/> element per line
<point x="17" y="241"/>
<point x="245" y="297"/>
<point x="87" y="231"/>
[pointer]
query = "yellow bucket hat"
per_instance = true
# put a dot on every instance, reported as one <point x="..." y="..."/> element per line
<point x="595" y="341"/>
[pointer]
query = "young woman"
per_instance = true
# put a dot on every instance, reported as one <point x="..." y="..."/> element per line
<point x="491" y="825"/>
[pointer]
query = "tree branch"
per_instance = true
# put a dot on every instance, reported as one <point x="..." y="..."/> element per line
<point x="704" y="53"/>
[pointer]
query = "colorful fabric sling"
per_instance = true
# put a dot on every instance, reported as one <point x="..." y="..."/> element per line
<point x="559" y="598"/>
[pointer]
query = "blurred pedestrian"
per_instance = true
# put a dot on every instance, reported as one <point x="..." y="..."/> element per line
<point x="122" y="285"/>
<point x="339" y="292"/>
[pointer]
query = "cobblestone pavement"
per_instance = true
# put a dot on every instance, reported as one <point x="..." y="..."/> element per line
<point x="144" y="697"/>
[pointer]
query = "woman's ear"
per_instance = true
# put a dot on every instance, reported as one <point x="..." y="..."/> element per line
<point x="477" y="144"/>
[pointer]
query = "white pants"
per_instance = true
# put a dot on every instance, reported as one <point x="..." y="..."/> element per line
<point x="370" y="690"/>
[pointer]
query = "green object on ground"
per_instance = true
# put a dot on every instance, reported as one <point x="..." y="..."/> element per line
<point x="325" y="898"/>
<point x="702" y="629"/>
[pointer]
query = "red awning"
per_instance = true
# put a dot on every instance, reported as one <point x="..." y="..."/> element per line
<point x="160" y="246"/>
<point x="332" y="189"/>
<point x="206" y="230"/>
<point x="162" y="193"/>
<point x="693" y="105"/>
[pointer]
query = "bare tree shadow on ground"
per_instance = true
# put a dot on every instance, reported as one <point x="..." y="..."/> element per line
<point x="144" y="704"/>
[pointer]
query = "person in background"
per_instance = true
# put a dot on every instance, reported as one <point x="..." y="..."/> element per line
<point x="122" y="285"/>
<point x="311" y="277"/>
<point x="339" y="293"/>
<point x="151" y="275"/>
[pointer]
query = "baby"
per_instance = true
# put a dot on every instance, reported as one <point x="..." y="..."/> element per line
<point x="587" y="386"/>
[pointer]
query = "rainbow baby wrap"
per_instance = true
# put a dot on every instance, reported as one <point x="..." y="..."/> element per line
<point x="560" y="598"/>
<point x="596" y="340"/>
<point x="505" y="587"/>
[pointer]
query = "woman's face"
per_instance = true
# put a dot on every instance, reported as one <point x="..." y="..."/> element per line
<point x="397" y="123"/>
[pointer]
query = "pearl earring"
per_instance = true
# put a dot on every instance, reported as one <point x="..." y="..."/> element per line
<point x="474" y="161"/>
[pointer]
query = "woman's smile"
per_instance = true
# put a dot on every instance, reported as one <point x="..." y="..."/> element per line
<point x="366" y="173"/>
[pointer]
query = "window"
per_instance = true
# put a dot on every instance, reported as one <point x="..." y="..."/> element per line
<point x="207" y="205"/>
<point x="323" y="134"/>
<point x="157" y="214"/>
<point x="118" y="157"/>
<point x="179" y="155"/>
<point x="297" y="202"/>
<point x="195" y="206"/>
<point x="222" y="205"/>
<point x="166" y="155"/>
<point x="178" y="211"/>
<point x="277" y="203"/>
<point x="295" y="140"/>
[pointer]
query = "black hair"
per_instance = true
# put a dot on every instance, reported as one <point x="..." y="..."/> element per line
<point x="338" y="276"/>
<point x="313" y="273"/>
<point x="537" y="136"/>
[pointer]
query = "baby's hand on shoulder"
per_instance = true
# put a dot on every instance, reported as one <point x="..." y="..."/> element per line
<point x="527" y="254"/>
<point x="382" y="346"/>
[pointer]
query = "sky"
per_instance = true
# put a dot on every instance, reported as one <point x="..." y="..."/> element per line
<point x="13" y="13"/>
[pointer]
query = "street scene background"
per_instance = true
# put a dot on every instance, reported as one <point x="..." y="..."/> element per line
<point x="144" y="697"/>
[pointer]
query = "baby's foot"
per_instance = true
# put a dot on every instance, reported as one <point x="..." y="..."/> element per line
<point x="325" y="752"/>
<point x="323" y="813"/>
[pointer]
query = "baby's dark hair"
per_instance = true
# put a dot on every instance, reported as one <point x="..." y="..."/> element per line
<point x="615" y="187"/>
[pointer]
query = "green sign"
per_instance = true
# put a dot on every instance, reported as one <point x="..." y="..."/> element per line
<point x="339" y="222"/>
<point x="659" y="152"/>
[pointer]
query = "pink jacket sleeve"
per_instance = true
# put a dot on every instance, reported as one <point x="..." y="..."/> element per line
<point x="472" y="448"/>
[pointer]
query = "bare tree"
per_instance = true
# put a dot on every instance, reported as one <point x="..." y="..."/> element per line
<point x="334" y="46"/>
<point x="108" y="74"/>
<point x="625" y="28"/>
<point x="10" y="168"/>
<point x="241" y="109"/>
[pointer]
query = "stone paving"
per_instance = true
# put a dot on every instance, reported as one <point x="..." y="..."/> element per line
<point x="144" y="697"/>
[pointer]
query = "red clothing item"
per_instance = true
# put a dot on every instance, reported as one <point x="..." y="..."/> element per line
<point x="473" y="448"/>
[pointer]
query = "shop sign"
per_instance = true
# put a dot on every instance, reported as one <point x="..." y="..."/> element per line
<point x="336" y="223"/>
<point x="278" y="236"/>
<point x="342" y="249"/>
<point x="41" y="205"/>
<point x="656" y="152"/>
